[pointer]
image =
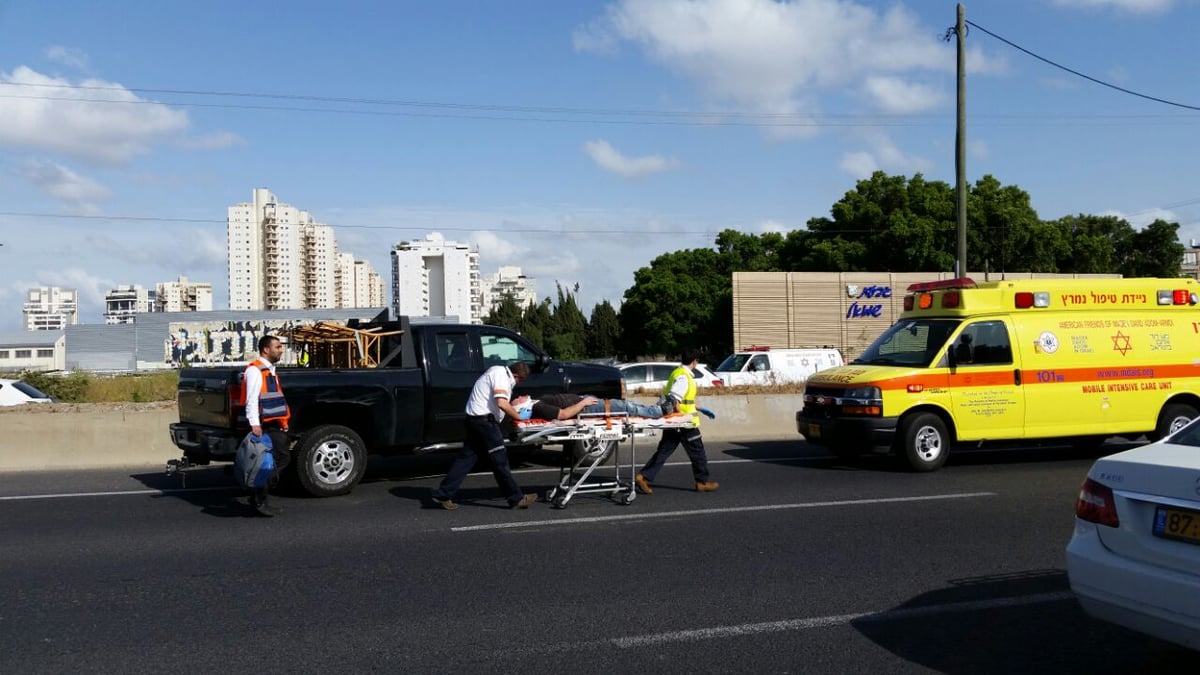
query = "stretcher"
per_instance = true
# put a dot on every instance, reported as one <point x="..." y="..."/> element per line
<point x="599" y="435"/>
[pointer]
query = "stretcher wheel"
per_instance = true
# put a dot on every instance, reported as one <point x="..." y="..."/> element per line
<point x="550" y="494"/>
<point x="626" y="498"/>
<point x="559" y="501"/>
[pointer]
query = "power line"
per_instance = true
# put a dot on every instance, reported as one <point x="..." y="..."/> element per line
<point x="1079" y="74"/>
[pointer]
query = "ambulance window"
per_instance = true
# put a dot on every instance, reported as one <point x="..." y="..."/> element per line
<point x="984" y="343"/>
<point x="759" y="363"/>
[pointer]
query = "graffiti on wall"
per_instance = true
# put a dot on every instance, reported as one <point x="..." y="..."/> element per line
<point x="867" y="301"/>
<point x="213" y="342"/>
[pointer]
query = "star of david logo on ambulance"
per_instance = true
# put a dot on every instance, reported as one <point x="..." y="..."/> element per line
<point x="1121" y="343"/>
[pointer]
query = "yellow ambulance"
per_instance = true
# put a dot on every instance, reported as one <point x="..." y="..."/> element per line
<point x="967" y="363"/>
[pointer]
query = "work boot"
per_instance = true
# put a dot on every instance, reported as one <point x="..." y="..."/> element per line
<point x="643" y="485"/>
<point x="445" y="503"/>
<point x="706" y="486"/>
<point x="523" y="502"/>
<point x="263" y="506"/>
<point x="669" y="407"/>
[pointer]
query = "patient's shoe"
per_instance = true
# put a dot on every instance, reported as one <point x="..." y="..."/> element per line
<point x="706" y="486"/>
<point x="643" y="485"/>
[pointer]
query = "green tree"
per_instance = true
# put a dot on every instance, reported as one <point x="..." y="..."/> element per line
<point x="1154" y="251"/>
<point x="1091" y="243"/>
<point x="535" y="323"/>
<point x="678" y="303"/>
<point x="568" y="328"/>
<point x="603" y="331"/>
<point x="506" y="313"/>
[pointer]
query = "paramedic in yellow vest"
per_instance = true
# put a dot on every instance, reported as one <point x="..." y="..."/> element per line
<point x="681" y="390"/>
<point x="267" y="411"/>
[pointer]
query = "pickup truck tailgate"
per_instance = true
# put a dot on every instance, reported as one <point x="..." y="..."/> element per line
<point x="204" y="396"/>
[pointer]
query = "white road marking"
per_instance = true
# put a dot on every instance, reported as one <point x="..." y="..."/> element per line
<point x="729" y="509"/>
<point x="738" y="630"/>
<point x="114" y="493"/>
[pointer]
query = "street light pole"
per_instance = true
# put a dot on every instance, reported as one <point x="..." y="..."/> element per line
<point x="960" y="143"/>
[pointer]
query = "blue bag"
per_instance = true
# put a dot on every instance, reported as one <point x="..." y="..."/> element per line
<point x="253" y="464"/>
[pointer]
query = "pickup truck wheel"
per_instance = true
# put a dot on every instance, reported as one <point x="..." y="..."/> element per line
<point x="1173" y="418"/>
<point x="330" y="460"/>
<point x="924" y="443"/>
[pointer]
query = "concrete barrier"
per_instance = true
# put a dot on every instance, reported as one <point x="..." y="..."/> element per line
<point x="69" y="437"/>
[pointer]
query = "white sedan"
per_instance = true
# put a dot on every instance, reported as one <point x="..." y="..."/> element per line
<point x="1134" y="559"/>
<point x="651" y="377"/>
<point x="16" y="392"/>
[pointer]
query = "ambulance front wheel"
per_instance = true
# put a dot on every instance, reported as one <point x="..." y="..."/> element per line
<point x="1173" y="418"/>
<point x="924" y="443"/>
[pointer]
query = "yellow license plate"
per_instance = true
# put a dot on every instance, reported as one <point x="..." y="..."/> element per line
<point x="1177" y="524"/>
<point x="814" y="431"/>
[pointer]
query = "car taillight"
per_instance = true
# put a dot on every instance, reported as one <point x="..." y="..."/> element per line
<point x="717" y="383"/>
<point x="1096" y="504"/>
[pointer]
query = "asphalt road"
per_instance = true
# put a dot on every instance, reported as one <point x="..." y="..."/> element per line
<point x="797" y="564"/>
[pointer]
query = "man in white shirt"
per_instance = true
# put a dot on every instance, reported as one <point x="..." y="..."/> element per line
<point x="488" y="404"/>
<point x="267" y="412"/>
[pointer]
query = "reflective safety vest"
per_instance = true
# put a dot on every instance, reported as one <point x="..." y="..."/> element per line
<point x="272" y="405"/>
<point x="688" y="404"/>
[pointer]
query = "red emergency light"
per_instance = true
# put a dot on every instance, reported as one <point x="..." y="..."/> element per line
<point x="924" y="286"/>
<point x="756" y="348"/>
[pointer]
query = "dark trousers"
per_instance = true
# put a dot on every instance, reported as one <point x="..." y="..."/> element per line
<point x="281" y="449"/>
<point x="484" y="441"/>
<point x="692" y="443"/>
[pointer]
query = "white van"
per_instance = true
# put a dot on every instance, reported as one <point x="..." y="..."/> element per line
<point x="763" y="365"/>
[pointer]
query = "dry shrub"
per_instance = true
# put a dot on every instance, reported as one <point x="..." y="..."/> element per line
<point x="139" y="388"/>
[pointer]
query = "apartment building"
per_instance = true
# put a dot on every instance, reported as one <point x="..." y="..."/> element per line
<point x="123" y="303"/>
<point x="51" y="308"/>
<point x="281" y="258"/>
<point x="183" y="295"/>
<point x="507" y="281"/>
<point x="435" y="277"/>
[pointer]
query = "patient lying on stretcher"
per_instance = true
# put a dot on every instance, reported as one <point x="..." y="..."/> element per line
<point x="568" y="406"/>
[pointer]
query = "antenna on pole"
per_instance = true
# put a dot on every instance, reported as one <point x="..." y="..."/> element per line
<point x="960" y="141"/>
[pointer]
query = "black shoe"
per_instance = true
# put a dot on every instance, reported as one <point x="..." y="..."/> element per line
<point x="263" y="507"/>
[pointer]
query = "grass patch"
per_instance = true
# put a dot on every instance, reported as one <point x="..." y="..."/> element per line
<point x="139" y="388"/>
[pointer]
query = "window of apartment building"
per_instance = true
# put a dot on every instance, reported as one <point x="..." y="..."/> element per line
<point x="23" y="354"/>
<point x="3" y="353"/>
<point x="45" y="353"/>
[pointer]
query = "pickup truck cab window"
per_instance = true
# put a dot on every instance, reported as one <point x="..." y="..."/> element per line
<point x="502" y="350"/>
<point x="454" y="351"/>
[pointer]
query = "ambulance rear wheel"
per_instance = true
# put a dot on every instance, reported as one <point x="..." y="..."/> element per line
<point x="1173" y="418"/>
<point x="924" y="443"/>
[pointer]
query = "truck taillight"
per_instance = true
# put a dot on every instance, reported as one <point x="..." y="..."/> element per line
<point x="1096" y="504"/>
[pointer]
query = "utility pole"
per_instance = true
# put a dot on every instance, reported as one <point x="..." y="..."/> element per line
<point x="960" y="142"/>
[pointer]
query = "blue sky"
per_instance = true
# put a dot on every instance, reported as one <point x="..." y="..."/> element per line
<point x="576" y="139"/>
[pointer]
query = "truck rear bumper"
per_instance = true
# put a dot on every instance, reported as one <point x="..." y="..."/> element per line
<point x="874" y="434"/>
<point x="200" y="444"/>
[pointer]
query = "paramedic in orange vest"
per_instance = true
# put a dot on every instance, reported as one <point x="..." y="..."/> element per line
<point x="267" y="411"/>
<point x="681" y="390"/>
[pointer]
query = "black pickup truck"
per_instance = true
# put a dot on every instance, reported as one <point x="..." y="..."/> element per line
<point x="413" y="401"/>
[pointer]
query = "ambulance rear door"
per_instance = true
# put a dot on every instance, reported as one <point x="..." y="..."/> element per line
<point x="985" y="381"/>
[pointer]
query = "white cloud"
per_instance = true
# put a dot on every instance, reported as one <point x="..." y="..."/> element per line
<point x="64" y="121"/>
<point x="896" y="95"/>
<point x="1140" y="219"/>
<point x="883" y="154"/>
<point x="772" y="226"/>
<point x="91" y="287"/>
<point x="770" y="55"/>
<point x="608" y="157"/>
<point x="76" y="191"/>
<point x="1129" y="6"/>
<point x="978" y="150"/>
<point x="495" y="247"/>
<point x="860" y="164"/>
<point x="67" y="56"/>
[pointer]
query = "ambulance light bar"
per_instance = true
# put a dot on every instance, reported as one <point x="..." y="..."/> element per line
<point x="1025" y="299"/>
<point x="756" y="348"/>
<point x="1179" y="296"/>
<point x="960" y="282"/>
